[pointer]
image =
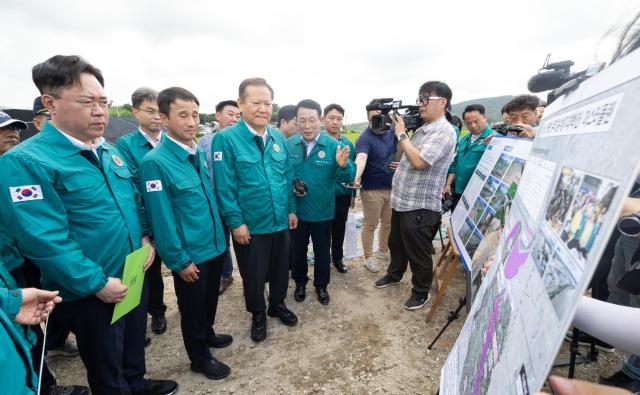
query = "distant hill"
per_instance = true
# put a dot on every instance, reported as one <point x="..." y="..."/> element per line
<point x="492" y="105"/>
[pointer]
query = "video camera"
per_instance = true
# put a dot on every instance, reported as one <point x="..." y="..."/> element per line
<point x="383" y="121"/>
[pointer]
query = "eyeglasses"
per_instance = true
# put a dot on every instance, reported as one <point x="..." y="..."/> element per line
<point x="424" y="100"/>
<point x="305" y="122"/>
<point x="151" y="112"/>
<point x="88" y="102"/>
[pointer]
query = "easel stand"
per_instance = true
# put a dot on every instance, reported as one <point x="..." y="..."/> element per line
<point x="443" y="272"/>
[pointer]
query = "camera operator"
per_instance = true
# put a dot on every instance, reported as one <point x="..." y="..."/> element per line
<point x="374" y="174"/>
<point x="522" y="112"/>
<point x="468" y="153"/>
<point x="416" y="191"/>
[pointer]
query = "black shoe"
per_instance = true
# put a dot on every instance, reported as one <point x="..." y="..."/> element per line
<point x="147" y="341"/>
<point x="213" y="369"/>
<point x="416" y="302"/>
<point x="158" y="387"/>
<point x="385" y="281"/>
<point x="219" y="341"/>
<point x="69" y="390"/>
<point x="300" y="293"/>
<point x="585" y="339"/>
<point x="281" y="311"/>
<point x="621" y="380"/>
<point x="158" y="324"/>
<point x="340" y="267"/>
<point x="259" y="326"/>
<point x="323" y="295"/>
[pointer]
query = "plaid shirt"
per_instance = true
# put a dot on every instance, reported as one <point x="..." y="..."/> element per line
<point x="414" y="189"/>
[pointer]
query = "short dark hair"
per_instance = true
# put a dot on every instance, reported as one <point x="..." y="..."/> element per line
<point x="438" y="88"/>
<point x="62" y="71"/>
<point x="142" y="94"/>
<point x="331" y="107"/>
<point x="170" y="95"/>
<point x="474" y="107"/>
<point x="286" y="113"/>
<point x="522" y="102"/>
<point x="253" y="82"/>
<point x="220" y="106"/>
<point x="310" y="104"/>
<point x="543" y="103"/>
<point x="455" y="121"/>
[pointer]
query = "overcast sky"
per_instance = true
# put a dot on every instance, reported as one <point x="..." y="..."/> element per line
<point x="346" y="52"/>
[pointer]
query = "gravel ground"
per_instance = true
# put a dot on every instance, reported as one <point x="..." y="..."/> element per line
<point x="363" y="342"/>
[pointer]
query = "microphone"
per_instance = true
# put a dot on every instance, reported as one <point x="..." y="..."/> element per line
<point x="376" y="106"/>
<point x="548" y="80"/>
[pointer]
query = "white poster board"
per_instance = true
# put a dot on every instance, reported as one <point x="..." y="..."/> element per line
<point x="581" y="166"/>
<point x="478" y="219"/>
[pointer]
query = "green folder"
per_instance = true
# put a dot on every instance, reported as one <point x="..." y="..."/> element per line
<point x="132" y="277"/>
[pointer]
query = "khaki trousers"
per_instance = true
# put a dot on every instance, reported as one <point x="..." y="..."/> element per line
<point x="376" y="209"/>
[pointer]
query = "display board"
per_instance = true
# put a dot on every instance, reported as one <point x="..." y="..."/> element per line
<point x="582" y="165"/>
<point x="478" y="220"/>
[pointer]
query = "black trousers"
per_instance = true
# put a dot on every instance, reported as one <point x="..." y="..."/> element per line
<point x="320" y="233"/>
<point x="198" y="303"/>
<point x="410" y="241"/>
<point x="112" y="354"/>
<point x="266" y="256"/>
<point x="153" y="277"/>
<point x="338" y="226"/>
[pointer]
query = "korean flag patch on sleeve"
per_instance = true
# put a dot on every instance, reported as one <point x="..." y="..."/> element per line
<point x="154" y="186"/>
<point x="25" y="192"/>
<point x="217" y="156"/>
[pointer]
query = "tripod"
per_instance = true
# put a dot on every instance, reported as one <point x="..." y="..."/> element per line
<point x="574" y="354"/>
<point x="453" y="315"/>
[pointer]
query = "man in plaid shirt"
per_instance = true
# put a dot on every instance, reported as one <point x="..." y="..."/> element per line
<point x="416" y="192"/>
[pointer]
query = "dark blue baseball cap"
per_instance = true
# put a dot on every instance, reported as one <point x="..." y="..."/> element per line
<point x="6" y="120"/>
<point x="38" y="108"/>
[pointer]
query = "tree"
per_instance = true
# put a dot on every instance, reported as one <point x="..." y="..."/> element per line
<point x="275" y="108"/>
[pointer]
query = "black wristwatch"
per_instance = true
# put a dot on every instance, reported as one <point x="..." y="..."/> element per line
<point x="403" y="136"/>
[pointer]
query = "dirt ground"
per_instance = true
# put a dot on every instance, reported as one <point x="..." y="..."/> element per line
<point x="363" y="342"/>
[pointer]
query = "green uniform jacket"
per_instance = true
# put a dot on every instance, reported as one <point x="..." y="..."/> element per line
<point x="341" y="190"/>
<point x="320" y="172"/>
<point x="134" y="147"/>
<point x="468" y="154"/>
<point x="180" y="205"/>
<point x="8" y="282"/>
<point x="75" y="222"/>
<point x="9" y="254"/>
<point x="16" y="372"/>
<point x="253" y="188"/>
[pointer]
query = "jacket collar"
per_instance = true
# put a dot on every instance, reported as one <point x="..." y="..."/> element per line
<point x="177" y="150"/>
<point x="61" y="144"/>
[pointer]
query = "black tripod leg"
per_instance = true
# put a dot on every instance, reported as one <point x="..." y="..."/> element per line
<point x="453" y="315"/>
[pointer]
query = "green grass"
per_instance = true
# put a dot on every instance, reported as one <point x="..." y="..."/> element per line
<point x="353" y="136"/>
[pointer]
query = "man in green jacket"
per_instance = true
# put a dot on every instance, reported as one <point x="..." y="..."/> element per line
<point x="319" y="161"/>
<point x="73" y="211"/>
<point x="469" y="151"/>
<point x="134" y="146"/>
<point x="183" y="214"/>
<point x="19" y="309"/>
<point x="253" y="176"/>
<point x="345" y="197"/>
